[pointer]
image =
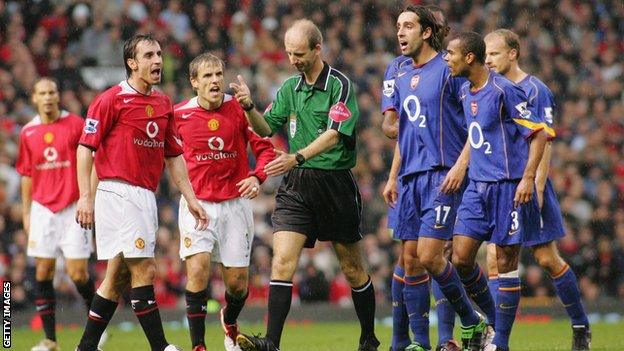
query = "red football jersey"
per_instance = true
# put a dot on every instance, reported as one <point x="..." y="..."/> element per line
<point x="215" y="148"/>
<point x="47" y="154"/>
<point x="132" y="133"/>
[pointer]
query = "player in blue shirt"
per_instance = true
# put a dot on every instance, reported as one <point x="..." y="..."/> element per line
<point x="390" y="125"/>
<point x="506" y="140"/>
<point x="502" y="54"/>
<point x="433" y="160"/>
<point x="445" y="313"/>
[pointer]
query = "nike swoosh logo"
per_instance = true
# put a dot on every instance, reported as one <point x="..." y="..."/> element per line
<point x="29" y="133"/>
<point x="187" y="115"/>
<point x="513" y="232"/>
<point x="401" y="74"/>
<point x="93" y="314"/>
<point x="128" y="100"/>
<point x="437" y="226"/>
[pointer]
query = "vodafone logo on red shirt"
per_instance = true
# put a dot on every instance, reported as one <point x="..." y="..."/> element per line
<point x="151" y="129"/>
<point x="339" y="112"/>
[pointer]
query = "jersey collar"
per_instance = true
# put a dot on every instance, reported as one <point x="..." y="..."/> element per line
<point x="321" y="81"/>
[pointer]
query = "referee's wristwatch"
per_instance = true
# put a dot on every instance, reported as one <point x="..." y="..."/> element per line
<point x="300" y="159"/>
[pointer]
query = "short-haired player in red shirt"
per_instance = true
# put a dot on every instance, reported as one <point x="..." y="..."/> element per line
<point x="131" y="129"/>
<point x="47" y="163"/>
<point x="215" y="135"/>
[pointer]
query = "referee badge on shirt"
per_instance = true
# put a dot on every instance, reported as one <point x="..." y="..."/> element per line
<point x="293" y="125"/>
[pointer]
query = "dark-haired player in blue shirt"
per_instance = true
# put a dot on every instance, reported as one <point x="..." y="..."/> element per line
<point x="502" y="54"/>
<point x="434" y="157"/>
<point x="506" y="140"/>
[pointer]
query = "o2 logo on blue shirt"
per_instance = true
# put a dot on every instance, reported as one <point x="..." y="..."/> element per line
<point x="413" y="111"/>
<point x="473" y="129"/>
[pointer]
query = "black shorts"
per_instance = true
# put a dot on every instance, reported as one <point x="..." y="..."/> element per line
<point x="323" y="205"/>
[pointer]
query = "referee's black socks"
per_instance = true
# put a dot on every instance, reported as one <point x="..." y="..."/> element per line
<point x="100" y="313"/>
<point x="45" y="303"/>
<point x="364" y="303"/>
<point x="280" y="297"/>
<point x="145" y="308"/>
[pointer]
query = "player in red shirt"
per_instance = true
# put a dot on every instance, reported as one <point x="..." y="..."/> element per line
<point x="215" y="135"/>
<point x="131" y="129"/>
<point x="47" y="163"/>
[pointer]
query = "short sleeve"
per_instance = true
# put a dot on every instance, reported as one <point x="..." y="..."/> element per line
<point x="173" y="143"/>
<point x="100" y="119"/>
<point x="276" y="114"/>
<point x="545" y="106"/>
<point x="388" y="88"/>
<point x="523" y="113"/>
<point x="343" y="113"/>
<point x="23" y="164"/>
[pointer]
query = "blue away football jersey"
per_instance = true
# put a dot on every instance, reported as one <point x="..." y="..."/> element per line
<point x="499" y="120"/>
<point x="432" y="129"/>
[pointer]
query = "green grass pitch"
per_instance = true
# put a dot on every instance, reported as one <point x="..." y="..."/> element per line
<point x="551" y="336"/>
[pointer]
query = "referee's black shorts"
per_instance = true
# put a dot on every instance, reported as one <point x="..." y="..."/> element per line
<point x="324" y="205"/>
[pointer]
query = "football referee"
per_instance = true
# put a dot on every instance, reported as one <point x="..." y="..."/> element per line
<point x="318" y="198"/>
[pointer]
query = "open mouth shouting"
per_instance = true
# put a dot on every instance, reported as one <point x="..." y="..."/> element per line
<point x="155" y="74"/>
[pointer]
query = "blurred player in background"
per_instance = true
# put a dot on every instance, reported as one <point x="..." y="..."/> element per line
<point x="47" y="163"/>
<point x="507" y="142"/>
<point x="390" y="125"/>
<point x="318" y="198"/>
<point x="502" y="55"/>
<point x="215" y="135"/>
<point x="131" y="129"/>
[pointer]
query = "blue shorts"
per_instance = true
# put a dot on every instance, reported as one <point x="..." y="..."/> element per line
<point x="392" y="217"/>
<point x="423" y="209"/>
<point x="487" y="213"/>
<point x="551" y="223"/>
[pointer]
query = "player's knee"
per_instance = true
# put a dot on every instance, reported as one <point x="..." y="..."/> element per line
<point x="79" y="276"/>
<point x="354" y="274"/>
<point x="283" y="268"/>
<point x="464" y="264"/>
<point x="507" y="263"/>
<point x="197" y="274"/>
<point x="237" y="288"/>
<point x="553" y="264"/>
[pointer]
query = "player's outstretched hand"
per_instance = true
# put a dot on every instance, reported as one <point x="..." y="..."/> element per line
<point x="390" y="193"/>
<point x="84" y="213"/>
<point x="201" y="217"/>
<point x="524" y="191"/>
<point x="283" y="163"/>
<point x="241" y="92"/>
<point x="249" y="188"/>
<point x="453" y="180"/>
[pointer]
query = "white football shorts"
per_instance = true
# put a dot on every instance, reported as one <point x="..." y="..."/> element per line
<point x="228" y="236"/>
<point x="52" y="234"/>
<point x="126" y="219"/>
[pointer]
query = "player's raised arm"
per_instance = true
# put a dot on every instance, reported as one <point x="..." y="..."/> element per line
<point x="243" y="95"/>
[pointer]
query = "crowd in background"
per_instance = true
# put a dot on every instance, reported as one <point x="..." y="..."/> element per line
<point x="575" y="47"/>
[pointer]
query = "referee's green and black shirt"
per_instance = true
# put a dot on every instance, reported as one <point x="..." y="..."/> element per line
<point x="309" y="110"/>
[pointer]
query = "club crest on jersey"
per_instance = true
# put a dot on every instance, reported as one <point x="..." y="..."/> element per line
<point x="48" y="137"/>
<point x="149" y="110"/>
<point x="474" y="108"/>
<point x="339" y="112"/>
<point x="90" y="126"/>
<point x="139" y="243"/>
<point x="293" y="125"/>
<point x="213" y="124"/>
<point x="414" y="81"/>
<point x="388" y="87"/>
<point x="187" y="242"/>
